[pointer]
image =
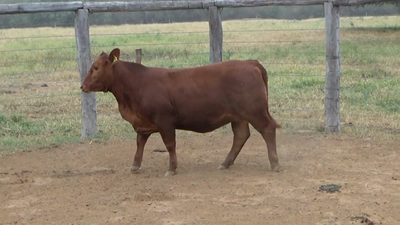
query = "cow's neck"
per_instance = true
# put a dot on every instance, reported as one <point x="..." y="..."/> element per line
<point x="125" y="85"/>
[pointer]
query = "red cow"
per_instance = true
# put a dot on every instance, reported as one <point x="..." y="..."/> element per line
<point x="199" y="99"/>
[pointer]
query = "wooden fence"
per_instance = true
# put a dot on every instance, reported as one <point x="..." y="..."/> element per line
<point x="83" y="10"/>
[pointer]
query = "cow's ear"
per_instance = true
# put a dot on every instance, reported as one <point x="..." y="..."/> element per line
<point x="114" y="55"/>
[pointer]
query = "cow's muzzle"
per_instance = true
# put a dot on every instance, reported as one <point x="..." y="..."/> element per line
<point x="84" y="89"/>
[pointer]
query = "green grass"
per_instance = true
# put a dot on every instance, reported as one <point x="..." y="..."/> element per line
<point x="308" y="82"/>
<point x="19" y="132"/>
<point x="389" y="103"/>
<point x="293" y="52"/>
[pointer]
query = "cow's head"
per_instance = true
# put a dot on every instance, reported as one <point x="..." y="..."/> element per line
<point x="100" y="74"/>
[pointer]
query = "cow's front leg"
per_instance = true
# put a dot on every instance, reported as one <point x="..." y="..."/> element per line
<point x="141" y="140"/>
<point x="168" y="136"/>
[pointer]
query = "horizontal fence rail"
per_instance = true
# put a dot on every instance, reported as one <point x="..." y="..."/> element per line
<point x="162" y="5"/>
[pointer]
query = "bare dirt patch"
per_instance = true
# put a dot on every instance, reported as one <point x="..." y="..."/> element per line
<point x="92" y="184"/>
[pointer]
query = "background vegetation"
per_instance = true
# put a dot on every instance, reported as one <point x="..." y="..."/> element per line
<point x="40" y="96"/>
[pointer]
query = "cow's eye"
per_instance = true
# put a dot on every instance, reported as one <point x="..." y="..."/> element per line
<point x="95" y="68"/>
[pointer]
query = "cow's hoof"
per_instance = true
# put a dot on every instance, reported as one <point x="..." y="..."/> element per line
<point x="275" y="168"/>
<point x="222" y="167"/>
<point x="169" y="173"/>
<point x="135" y="168"/>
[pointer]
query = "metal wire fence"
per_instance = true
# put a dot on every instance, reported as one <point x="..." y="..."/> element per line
<point x="40" y="78"/>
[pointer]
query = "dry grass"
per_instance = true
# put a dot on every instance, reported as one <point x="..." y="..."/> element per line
<point x="292" y="51"/>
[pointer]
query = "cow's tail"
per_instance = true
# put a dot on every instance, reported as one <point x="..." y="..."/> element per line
<point x="265" y="79"/>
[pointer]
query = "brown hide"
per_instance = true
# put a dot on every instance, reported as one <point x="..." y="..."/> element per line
<point x="198" y="99"/>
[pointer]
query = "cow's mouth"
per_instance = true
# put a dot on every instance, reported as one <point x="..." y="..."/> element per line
<point x="86" y="90"/>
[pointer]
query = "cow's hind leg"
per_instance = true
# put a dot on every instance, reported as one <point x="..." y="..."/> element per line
<point x="141" y="140"/>
<point x="241" y="133"/>
<point x="268" y="131"/>
<point x="269" y="135"/>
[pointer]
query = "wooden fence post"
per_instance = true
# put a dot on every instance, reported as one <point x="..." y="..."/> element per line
<point x="139" y="55"/>
<point x="88" y="100"/>
<point x="216" y="34"/>
<point x="332" y="79"/>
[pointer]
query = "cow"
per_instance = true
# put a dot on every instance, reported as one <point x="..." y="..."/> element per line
<point x="200" y="99"/>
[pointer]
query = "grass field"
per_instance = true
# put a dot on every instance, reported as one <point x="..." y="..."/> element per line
<point x="34" y="117"/>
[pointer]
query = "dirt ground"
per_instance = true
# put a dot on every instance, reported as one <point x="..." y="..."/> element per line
<point x="92" y="183"/>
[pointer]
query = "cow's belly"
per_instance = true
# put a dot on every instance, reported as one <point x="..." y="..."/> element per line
<point x="204" y="125"/>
